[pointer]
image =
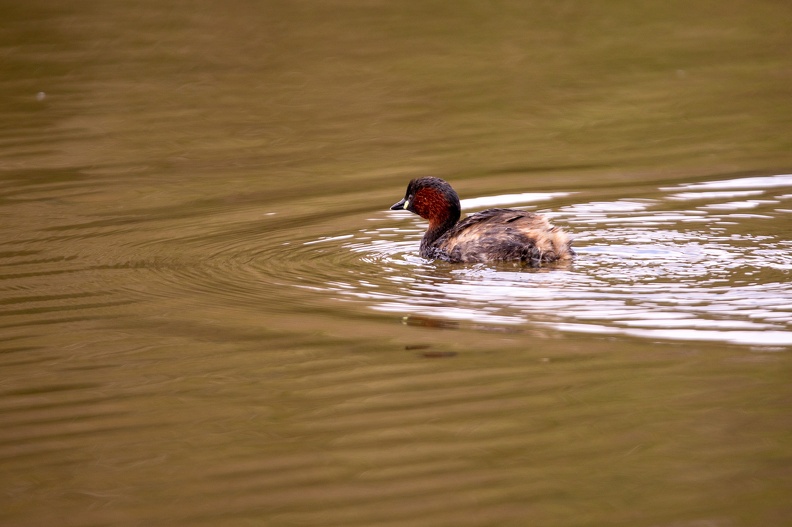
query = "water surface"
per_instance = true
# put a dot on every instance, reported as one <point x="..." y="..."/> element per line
<point x="208" y="315"/>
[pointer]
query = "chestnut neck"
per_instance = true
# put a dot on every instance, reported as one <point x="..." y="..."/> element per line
<point x="439" y="224"/>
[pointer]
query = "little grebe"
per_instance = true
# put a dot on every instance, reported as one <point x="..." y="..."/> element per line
<point x="491" y="235"/>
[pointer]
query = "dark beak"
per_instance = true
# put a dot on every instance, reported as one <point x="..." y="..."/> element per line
<point x="398" y="206"/>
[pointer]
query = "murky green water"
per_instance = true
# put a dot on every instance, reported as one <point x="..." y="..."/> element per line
<point x="208" y="316"/>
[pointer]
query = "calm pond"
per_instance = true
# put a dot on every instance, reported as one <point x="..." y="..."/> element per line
<point x="209" y="316"/>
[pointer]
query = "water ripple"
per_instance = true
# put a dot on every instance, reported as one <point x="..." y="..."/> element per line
<point x="645" y="267"/>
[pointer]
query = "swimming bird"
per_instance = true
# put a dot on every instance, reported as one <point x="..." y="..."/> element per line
<point x="493" y="235"/>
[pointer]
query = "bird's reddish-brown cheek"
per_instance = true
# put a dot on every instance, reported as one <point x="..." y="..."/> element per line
<point x="429" y="204"/>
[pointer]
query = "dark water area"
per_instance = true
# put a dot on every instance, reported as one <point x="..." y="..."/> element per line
<point x="209" y="316"/>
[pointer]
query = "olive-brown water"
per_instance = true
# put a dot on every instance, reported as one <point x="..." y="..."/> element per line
<point x="208" y="316"/>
